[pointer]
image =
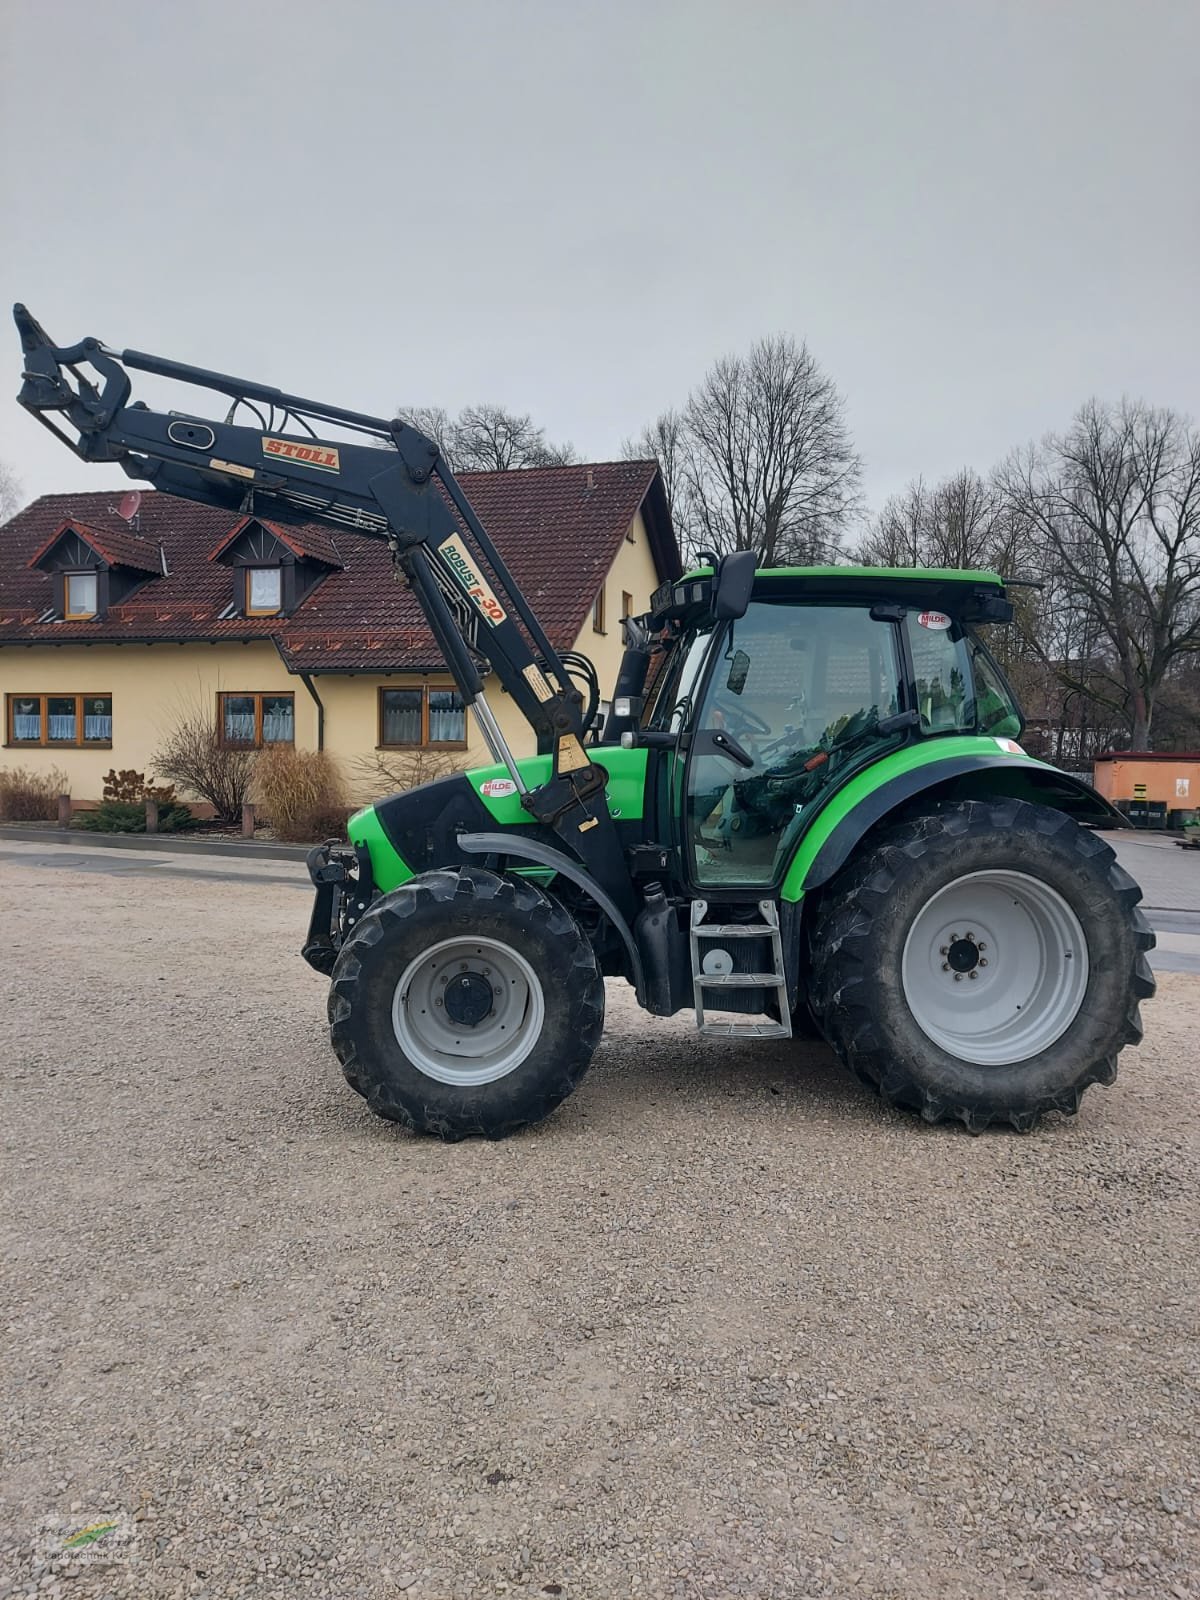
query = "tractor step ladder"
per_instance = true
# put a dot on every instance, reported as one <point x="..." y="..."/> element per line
<point x="729" y="934"/>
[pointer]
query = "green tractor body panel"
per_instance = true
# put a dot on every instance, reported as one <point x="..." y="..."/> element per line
<point x="496" y="802"/>
<point x="983" y="764"/>
<point x="626" y="787"/>
<point x="388" y="866"/>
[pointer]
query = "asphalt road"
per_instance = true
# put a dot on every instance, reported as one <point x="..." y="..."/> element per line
<point x="1170" y="880"/>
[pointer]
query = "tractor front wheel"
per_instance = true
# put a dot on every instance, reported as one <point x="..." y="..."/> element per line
<point x="984" y="962"/>
<point x="465" y="1002"/>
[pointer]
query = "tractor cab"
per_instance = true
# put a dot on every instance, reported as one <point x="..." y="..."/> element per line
<point x="765" y="705"/>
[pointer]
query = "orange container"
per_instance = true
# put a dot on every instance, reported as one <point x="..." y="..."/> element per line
<point x="1150" y="775"/>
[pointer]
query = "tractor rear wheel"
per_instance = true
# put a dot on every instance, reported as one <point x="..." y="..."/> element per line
<point x="984" y="963"/>
<point x="465" y="1002"/>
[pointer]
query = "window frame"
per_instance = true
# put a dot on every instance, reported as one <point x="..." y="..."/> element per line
<point x="248" y="573"/>
<point x="45" y="742"/>
<point x="598" y="612"/>
<point x="258" y="696"/>
<point x="80" y="616"/>
<point x="425" y="688"/>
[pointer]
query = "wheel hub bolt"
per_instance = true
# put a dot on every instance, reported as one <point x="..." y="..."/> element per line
<point x="982" y="946"/>
<point x="982" y="959"/>
<point x="958" y="977"/>
<point x="945" y="965"/>
<point x="945" y="950"/>
<point x="972" y="976"/>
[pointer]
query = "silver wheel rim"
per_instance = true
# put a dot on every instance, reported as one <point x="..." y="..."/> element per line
<point x="450" y="1050"/>
<point x="995" y="967"/>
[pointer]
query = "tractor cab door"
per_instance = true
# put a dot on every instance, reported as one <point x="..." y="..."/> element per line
<point x="793" y="697"/>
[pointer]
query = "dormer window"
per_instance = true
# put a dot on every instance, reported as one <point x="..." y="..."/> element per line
<point x="81" y="597"/>
<point x="94" y="568"/>
<point x="274" y="567"/>
<point x="264" y="591"/>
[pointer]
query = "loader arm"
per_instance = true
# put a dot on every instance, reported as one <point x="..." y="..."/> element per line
<point x="405" y="494"/>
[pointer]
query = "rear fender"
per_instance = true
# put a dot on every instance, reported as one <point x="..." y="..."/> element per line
<point x="867" y="802"/>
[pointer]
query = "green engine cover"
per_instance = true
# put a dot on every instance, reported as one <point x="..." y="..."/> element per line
<point x="498" y="793"/>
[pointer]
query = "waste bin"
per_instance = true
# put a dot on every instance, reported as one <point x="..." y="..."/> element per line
<point x="1148" y="813"/>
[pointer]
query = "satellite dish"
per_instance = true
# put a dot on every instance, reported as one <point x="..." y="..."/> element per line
<point x="128" y="505"/>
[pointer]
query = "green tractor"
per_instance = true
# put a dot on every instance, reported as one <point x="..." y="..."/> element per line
<point x="831" y="827"/>
<point x="806" y="811"/>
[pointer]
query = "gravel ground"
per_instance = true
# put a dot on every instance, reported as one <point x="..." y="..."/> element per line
<point x="721" y="1327"/>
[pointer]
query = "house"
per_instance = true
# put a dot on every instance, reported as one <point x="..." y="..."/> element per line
<point x="109" y="626"/>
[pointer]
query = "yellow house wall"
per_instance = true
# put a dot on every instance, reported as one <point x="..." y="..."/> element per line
<point x="633" y="571"/>
<point x="149" y="685"/>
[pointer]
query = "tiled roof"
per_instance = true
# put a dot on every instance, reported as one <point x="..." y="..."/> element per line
<point x="120" y="547"/>
<point x="558" y="535"/>
<point x="306" y="540"/>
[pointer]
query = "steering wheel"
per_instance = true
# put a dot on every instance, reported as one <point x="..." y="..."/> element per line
<point x="740" y="719"/>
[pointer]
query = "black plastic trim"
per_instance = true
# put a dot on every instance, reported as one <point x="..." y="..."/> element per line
<point x="504" y="844"/>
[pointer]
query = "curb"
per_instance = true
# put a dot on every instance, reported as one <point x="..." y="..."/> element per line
<point x="176" y="844"/>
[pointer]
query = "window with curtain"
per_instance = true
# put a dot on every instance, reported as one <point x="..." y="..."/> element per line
<point x="422" y="716"/>
<point x="60" y="719"/>
<point x="249" y="721"/>
<point x="278" y="719"/>
<point x="264" y="590"/>
<point x="81" y="594"/>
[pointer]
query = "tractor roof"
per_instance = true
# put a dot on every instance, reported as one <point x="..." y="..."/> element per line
<point x="967" y="596"/>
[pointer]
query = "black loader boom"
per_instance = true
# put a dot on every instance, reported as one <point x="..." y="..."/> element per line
<point x="277" y="462"/>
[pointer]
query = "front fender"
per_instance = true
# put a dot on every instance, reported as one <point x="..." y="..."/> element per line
<point x="960" y="769"/>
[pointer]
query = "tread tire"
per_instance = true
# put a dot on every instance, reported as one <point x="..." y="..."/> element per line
<point x="427" y="909"/>
<point x="858" y="939"/>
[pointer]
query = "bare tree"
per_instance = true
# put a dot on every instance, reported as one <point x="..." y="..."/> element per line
<point x="1114" y="506"/>
<point x="902" y="533"/>
<point x="192" y="754"/>
<point x="10" y="492"/>
<point x="962" y="522"/>
<point x="760" y="457"/>
<point x="435" y="422"/>
<point x="488" y="438"/>
<point x="664" y="440"/>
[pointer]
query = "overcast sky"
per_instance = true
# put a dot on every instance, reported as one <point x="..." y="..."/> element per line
<point x="977" y="214"/>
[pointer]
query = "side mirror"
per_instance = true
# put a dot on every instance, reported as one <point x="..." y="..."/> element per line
<point x="732" y="583"/>
<point x="739" y="670"/>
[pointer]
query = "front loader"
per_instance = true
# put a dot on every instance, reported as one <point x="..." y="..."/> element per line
<point x="808" y="808"/>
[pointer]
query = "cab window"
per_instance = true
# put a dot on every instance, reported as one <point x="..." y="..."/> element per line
<point x="803" y="690"/>
<point x="671" y="701"/>
<point x="959" y="688"/>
